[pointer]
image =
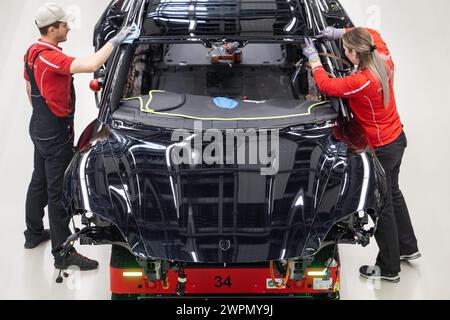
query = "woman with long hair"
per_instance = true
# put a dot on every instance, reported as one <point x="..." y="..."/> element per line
<point x="370" y="93"/>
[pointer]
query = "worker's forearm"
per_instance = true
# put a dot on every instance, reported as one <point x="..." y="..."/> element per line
<point x="28" y="87"/>
<point x="100" y="57"/>
<point x="315" y="64"/>
<point x="93" y="62"/>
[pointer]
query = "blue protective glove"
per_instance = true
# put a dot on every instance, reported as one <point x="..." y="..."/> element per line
<point x="310" y="50"/>
<point x="331" y="34"/>
<point x="126" y="35"/>
<point x="133" y="35"/>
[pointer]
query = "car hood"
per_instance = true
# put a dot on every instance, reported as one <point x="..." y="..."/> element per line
<point x="221" y="213"/>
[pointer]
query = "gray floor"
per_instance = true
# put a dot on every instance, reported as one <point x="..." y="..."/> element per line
<point x="417" y="35"/>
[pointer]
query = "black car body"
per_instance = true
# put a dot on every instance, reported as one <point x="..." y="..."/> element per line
<point x="128" y="191"/>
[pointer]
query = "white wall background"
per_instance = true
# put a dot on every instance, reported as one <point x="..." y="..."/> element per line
<point x="418" y="36"/>
<point x="30" y="274"/>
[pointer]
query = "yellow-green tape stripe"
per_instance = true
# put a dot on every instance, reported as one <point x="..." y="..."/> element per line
<point x="146" y="109"/>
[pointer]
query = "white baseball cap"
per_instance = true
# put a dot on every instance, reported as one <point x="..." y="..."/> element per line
<point x="50" y="13"/>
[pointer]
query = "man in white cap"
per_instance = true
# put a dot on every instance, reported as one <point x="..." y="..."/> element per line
<point x="49" y="82"/>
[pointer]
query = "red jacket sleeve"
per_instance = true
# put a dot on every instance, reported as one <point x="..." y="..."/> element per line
<point x="57" y="61"/>
<point x="347" y="87"/>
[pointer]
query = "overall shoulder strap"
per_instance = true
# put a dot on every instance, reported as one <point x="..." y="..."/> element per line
<point x="27" y="65"/>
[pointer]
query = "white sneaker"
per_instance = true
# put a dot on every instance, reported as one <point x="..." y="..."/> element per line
<point x="411" y="257"/>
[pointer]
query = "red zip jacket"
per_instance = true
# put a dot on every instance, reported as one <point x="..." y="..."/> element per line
<point x="379" y="125"/>
<point x="53" y="78"/>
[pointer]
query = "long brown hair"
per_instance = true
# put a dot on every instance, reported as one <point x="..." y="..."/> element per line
<point x="360" y="40"/>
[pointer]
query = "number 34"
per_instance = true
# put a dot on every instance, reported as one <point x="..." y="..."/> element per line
<point x="220" y="282"/>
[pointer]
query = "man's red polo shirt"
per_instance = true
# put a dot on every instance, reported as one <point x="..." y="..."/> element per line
<point x="53" y="78"/>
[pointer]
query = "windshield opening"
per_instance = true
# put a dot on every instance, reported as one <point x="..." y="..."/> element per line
<point x="247" y="71"/>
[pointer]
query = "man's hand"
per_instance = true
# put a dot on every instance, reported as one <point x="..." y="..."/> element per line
<point x="123" y="35"/>
<point x="95" y="61"/>
<point x="331" y="34"/>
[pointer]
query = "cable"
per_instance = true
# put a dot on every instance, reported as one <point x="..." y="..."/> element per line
<point x="332" y="56"/>
<point x="324" y="54"/>
<point x="286" y="277"/>
<point x="338" y="238"/>
<point x="165" y="282"/>
<point x="181" y="285"/>
<point x="73" y="223"/>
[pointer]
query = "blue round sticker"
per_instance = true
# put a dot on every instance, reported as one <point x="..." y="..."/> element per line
<point x="225" y="103"/>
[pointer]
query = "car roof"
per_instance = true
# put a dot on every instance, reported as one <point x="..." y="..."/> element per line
<point x="224" y="17"/>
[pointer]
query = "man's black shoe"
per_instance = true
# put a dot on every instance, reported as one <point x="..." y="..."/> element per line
<point x="31" y="244"/>
<point x="374" y="273"/>
<point x="77" y="260"/>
